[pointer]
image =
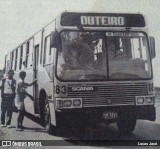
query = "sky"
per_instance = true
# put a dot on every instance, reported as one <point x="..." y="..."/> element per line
<point x="20" y="19"/>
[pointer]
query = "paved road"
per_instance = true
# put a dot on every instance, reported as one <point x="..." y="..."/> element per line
<point x="145" y="130"/>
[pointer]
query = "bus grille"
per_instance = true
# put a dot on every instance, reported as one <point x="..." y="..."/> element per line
<point x="109" y="95"/>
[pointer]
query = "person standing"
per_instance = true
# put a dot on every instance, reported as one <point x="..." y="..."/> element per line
<point x="20" y="96"/>
<point x="7" y="95"/>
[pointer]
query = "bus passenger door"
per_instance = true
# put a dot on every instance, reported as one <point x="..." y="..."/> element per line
<point x="35" y="72"/>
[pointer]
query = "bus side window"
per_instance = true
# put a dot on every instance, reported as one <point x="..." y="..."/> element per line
<point x="47" y="51"/>
<point x="37" y="55"/>
<point x="51" y="53"/>
<point x="27" y="53"/>
<point x="48" y="57"/>
<point x="12" y="59"/>
<point x="16" y="59"/>
<point x="24" y="56"/>
<point x="29" y="56"/>
<point x="21" y="57"/>
<point x="7" y="65"/>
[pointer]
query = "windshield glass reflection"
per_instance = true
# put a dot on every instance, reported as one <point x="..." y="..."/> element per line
<point x="99" y="55"/>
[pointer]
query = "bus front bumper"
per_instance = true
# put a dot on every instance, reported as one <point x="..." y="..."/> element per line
<point x="95" y="114"/>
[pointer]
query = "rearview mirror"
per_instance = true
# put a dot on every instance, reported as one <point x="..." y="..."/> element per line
<point x="55" y="39"/>
<point x="152" y="47"/>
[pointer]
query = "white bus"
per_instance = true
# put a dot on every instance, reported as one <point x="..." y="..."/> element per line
<point x="91" y="68"/>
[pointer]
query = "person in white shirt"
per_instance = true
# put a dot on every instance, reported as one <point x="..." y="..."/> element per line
<point x="7" y="95"/>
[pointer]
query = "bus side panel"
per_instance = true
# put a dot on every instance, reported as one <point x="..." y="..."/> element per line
<point x="46" y="84"/>
<point x="29" y="104"/>
<point x="52" y="112"/>
<point x="36" y="65"/>
<point x="46" y="70"/>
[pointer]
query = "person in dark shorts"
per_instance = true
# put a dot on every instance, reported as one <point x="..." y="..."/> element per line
<point x="20" y="96"/>
<point x="7" y="94"/>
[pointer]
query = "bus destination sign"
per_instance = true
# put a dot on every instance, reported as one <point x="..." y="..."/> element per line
<point x="102" y="19"/>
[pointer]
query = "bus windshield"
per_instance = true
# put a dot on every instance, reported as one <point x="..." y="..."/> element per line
<point x="91" y="55"/>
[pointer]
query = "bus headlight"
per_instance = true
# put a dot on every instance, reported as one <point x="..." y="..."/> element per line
<point x="59" y="103"/>
<point x="63" y="103"/>
<point x="140" y="100"/>
<point x="145" y="100"/>
<point x="76" y="102"/>
<point x="148" y="99"/>
<point x="67" y="103"/>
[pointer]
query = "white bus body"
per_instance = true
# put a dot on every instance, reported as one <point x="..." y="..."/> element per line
<point x="107" y="90"/>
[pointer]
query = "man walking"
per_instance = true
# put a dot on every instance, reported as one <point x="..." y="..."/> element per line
<point x="8" y="95"/>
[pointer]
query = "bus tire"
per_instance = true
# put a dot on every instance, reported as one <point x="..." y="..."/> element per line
<point x="42" y="100"/>
<point x="126" y="126"/>
<point x="47" y="117"/>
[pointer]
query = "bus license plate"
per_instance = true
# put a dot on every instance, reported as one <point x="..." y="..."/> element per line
<point x="110" y="115"/>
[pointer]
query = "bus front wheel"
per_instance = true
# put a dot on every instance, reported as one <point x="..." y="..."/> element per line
<point x="126" y="126"/>
<point x="47" y="118"/>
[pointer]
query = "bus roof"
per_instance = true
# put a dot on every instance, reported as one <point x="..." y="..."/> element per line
<point x="95" y="19"/>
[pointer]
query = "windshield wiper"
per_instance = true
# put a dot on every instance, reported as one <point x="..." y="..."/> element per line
<point x="85" y="38"/>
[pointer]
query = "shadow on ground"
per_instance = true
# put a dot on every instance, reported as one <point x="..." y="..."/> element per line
<point x="87" y="135"/>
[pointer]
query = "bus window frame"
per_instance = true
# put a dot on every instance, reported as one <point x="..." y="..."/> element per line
<point x="37" y="46"/>
<point x="29" y="53"/>
<point x="21" y="56"/>
<point x="16" y="59"/>
<point x="41" y="47"/>
<point x="12" y="59"/>
<point x="45" y="50"/>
